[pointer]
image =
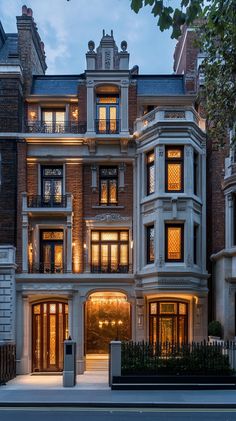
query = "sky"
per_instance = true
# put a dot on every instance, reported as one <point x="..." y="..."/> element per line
<point x="66" y="27"/>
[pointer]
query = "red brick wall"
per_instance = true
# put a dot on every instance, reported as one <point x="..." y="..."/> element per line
<point x="21" y="187"/>
<point x="32" y="178"/>
<point x="74" y="185"/>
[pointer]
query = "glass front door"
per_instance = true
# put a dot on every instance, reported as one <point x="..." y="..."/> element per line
<point x="107" y="319"/>
<point x="168" y="322"/>
<point x="51" y="252"/>
<point x="50" y="329"/>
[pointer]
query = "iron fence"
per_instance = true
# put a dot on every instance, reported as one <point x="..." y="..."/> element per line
<point x="46" y="268"/>
<point x="55" y="127"/>
<point x="208" y="359"/>
<point x="7" y="362"/>
<point x="111" y="269"/>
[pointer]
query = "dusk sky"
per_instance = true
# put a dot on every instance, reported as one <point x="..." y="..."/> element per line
<point x="66" y="27"/>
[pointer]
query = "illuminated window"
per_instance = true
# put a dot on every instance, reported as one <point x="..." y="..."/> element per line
<point x="174" y="169"/>
<point x="108" y="185"/>
<point x="51" y="251"/>
<point x="150" y="244"/>
<point x="52" y="178"/>
<point x="174" y="243"/>
<point x="150" y="163"/>
<point x="107" y="114"/>
<point x="109" y="251"/>
<point x="53" y="120"/>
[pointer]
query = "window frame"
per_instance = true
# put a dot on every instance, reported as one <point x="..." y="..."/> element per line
<point x="52" y="177"/>
<point x="149" y="166"/>
<point x="195" y="173"/>
<point x="174" y="225"/>
<point x="148" y="244"/>
<point x="176" y="161"/>
<point x="108" y="177"/>
<point x="101" y="242"/>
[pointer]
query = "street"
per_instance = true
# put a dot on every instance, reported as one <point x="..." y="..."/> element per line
<point x="115" y="414"/>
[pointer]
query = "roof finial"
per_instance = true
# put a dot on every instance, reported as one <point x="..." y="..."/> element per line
<point x="103" y="32"/>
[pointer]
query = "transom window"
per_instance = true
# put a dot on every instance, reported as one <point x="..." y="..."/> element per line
<point x="174" y="169"/>
<point x="150" y="164"/>
<point x="109" y="251"/>
<point x="174" y="240"/>
<point x="108" y="185"/>
<point x="150" y="244"/>
<point x="52" y="179"/>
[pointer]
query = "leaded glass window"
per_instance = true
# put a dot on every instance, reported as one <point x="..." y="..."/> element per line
<point x="52" y="180"/>
<point x="108" y="183"/>
<point x="150" y="163"/>
<point x="150" y="244"/>
<point x="174" y="242"/>
<point x="174" y="169"/>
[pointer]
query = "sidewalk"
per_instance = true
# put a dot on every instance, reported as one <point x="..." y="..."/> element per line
<point x="92" y="390"/>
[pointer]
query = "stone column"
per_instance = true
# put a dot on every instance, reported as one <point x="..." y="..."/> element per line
<point x="90" y="108"/>
<point x="188" y="170"/>
<point x="24" y="363"/>
<point x="229" y="220"/>
<point x="69" y="244"/>
<point x="124" y="115"/>
<point x="25" y="242"/>
<point x="140" y="319"/>
<point x="7" y="294"/>
<point x="77" y="331"/>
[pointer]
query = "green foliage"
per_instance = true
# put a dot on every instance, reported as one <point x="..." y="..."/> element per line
<point x="215" y="328"/>
<point x="216" y="20"/>
<point x="185" y="360"/>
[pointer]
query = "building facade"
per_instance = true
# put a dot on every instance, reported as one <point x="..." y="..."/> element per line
<point x="110" y="204"/>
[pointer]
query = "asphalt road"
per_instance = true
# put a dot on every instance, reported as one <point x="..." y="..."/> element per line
<point x="121" y="414"/>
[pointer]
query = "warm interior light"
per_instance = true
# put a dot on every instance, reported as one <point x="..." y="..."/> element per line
<point x="85" y="246"/>
<point x="131" y="244"/>
<point x="75" y="114"/>
<point x="33" y="115"/>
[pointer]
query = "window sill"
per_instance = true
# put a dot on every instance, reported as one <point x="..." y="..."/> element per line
<point x="107" y="207"/>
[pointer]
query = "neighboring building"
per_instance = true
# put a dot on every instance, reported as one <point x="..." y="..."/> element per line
<point x="111" y="205"/>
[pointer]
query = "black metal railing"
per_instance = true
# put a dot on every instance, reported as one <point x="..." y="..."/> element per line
<point x="111" y="269"/>
<point x="7" y="362"/>
<point x="46" y="268"/>
<point x="49" y="127"/>
<point x="167" y="358"/>
<point x="107" y="126"/>
<point x="47" y="201"/>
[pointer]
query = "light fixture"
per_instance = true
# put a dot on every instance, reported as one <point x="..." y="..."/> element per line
<point x="131" y="244"/>
<point x="75" y="113"/>
<point x="33" y="115"/>
<point x="85" y="246"/>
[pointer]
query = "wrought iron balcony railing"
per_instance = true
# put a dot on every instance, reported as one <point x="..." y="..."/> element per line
<point x="47" y="201"/>
<point x="111" y="269"/>
<point x="46" y="268"/>
<point x="107" y="126"/>
<point x="49" y="127"/>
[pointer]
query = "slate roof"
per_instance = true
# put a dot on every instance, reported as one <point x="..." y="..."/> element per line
<point x="55" y="85"/>
<point x="9" y="50"/>
<point x="162" y="85"/>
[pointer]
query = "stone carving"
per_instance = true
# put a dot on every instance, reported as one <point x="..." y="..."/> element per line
<point x="123" y="46"/>
<point x="189" y="261"/>
<point x="91" y="47"/>
<point x="111" y="217"/>
<point x="174" y="114"/>
<point x="107" y="60"/>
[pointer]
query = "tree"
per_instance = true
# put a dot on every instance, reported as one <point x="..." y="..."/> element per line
<point x="216" y="26"/>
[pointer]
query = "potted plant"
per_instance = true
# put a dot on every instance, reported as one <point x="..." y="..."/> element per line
<point x="214" y="330"/>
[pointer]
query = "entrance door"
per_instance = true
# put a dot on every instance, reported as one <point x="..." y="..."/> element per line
<point x="51" y="252"/>
<point x="107" y="319"/>
<point x="50" y="329"/>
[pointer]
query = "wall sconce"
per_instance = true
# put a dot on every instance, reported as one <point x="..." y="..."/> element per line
<point x="33" y="115"/>
<point x="75" y="114"/>
<point x="196" y="299"/>
<point x="73" y="244"/>
<point x="85" y="246"/>
<point x="131" y="244"/>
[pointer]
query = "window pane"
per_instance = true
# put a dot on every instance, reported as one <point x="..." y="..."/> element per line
<point x="113" y="191"/>
<point x="52" y="235"/>
<point x="151" y="180"/>
<point x="95" y="254"/>
<point x="59" y="116"/>
<point x="124" y="235"/>
<point x="104" y="256"/>
<point x="150" y="244"/>
<point x="113" y="113"/>
<point x="174" y="153"/>
<point x="57" y="190"/>
<point x="182" y="308"/>
<point x="174" y="243"/>
<point x="168" y="308"/>
<point x="107" y="100"/>
<point x="58" y="258"/>
<point x="114" y="257"/>
<point x="124" y="254"/>
<point x="109" y="236"/>
<point x="53" y="171"/>
<point x="95" y="235"/>
<point x="104" y="191"/>
<point x="52" y="308"/>
<point x="109" y="172"/>
<point x="174" y="177"/>
<point x="153" y="308"/>
<point x="47" y="116"/>
<point x="150" y="157"/>
<point x="37" y="309"/>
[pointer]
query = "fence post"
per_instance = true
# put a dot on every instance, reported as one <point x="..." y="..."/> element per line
<point x="115" y="360"/>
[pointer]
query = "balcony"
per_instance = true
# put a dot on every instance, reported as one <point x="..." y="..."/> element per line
<point x="109" y="269"/>
<point x="107" y="126"/>
<point x="46" y="268"/>
<point x="56" y="128"/>
<point x="47" y="204"/>
<point x="160" y="115"/>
